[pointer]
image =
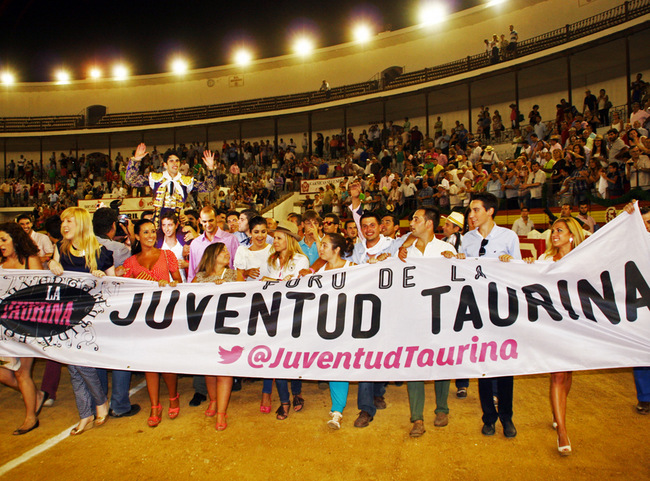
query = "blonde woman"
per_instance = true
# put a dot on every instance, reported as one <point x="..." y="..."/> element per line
<point x="566" y="235"/>
<point x="285" y="262"/>
<point x="79" y="251"/>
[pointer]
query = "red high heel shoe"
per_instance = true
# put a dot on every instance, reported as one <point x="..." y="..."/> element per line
<point x="154" y="420"/>
<point x="265" y="409"/>
<point x="223" y="425"/>
<point x="173" y="412"/>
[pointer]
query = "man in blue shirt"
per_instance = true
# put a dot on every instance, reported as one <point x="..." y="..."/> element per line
<point x="489" y="240"/>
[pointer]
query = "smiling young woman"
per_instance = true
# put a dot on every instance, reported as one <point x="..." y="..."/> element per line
<point x="153" y="264"/>
<point x="80" y="251"/>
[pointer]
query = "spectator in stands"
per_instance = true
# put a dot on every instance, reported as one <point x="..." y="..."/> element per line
<point x="637" y="115"/>
<point x="523" y="225"/>
<point x="325" y="87"/>
<point x="535" y="183"/>
<point x="584" y="219"/>
<point x="638" y="88"/>
<point x="512" y="44"/>
<point x="638" y="168"/>
<point x="614" y="181"/>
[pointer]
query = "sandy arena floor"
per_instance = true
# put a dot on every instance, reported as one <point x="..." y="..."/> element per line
<point x="609" y="439"/>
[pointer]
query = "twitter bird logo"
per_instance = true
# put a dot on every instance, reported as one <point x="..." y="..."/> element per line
<point x="228" y="357"/>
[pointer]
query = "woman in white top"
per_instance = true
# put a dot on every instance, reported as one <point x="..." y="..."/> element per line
<point x="566" y="235"/>
<point x="286" y="259"/>
<point x="251" y="262"/>
<point x="285" y="262"/>
<point x="332" y="248"/>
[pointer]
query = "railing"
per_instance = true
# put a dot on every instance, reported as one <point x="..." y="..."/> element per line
<point x="629" y="10"/>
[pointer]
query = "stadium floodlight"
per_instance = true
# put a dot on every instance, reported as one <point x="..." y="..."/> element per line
<point x="432" y="13"/>
<point x="362" y="33"/>
<point x="303" y="46"/>
<point x="492" y="3"/>
<point x="180" y="66"/>
<point x="62" y="76"/>
<point x="95" y="73"/>
<point x="120" y="72"/>
<point x="243" y="57"/>
<point x="7" y="78"/>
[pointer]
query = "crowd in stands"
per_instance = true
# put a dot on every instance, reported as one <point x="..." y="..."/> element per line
<point x="499" y="48"/>
<point x="554" y="160"/>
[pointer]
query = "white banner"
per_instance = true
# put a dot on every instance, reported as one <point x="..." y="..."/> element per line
<point x="429" y="319"/>
<point x="132" y="206"/>
<point x="313" y="186"/>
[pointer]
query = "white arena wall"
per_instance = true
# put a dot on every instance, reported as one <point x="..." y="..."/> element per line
<point x="543" y="84"/>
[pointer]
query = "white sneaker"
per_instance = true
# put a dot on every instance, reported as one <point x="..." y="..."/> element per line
<point x="335" y="422"/>
<point x="49" y="403"/>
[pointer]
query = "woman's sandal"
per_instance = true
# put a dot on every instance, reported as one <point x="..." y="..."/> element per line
<point x="298" y="403"/>
<point x="173" y="412"/>
<point x="76" y="431"/>
<point x="564" y="450"/>
<point x="211" y="412"/>
<point x="154" y="420"/>
<point x="283" y="412"/>
<point x="221" y="425"/>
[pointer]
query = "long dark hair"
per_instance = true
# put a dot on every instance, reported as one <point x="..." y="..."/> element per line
<point x="24" y="246"/>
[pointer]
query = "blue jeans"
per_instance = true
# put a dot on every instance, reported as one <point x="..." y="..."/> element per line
<point x="283" y="388"/>
<point x="642" y="382"/>
<point x="366" y="396"/>
<point x="120" y="402"/>
<point x="462" y="383"/>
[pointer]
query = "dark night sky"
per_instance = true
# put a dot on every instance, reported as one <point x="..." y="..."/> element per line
<point x="38" y="36"/>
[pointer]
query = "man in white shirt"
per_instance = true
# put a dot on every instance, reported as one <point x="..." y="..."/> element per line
<point x="638" y="168"/>
<point x="475" y="156"/>
<point x="491" y="241"/>
<point x="489" y="157"/>
<point x="536" y="181"/>
<point x="174" y="240"/>
<point x="408" y="192"/>
<point x="423" y="226"/>
<point x="637" y="115"/>
<point x="523" y="225"/>
<point x="45" y="247"/>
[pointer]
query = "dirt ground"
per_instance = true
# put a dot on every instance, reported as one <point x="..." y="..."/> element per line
<point x="609" y="439"/>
